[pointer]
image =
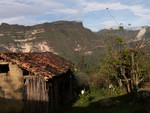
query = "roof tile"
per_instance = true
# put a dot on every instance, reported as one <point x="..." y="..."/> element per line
<point x="45" y="63"/>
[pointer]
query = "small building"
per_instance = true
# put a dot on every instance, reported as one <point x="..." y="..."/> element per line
<point x="42" y="80"/>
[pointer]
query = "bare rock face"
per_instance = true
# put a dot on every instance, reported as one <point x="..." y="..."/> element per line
<point x="29" y="47"/>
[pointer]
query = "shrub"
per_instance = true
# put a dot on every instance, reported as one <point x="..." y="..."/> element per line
<point x="84" y="97"/>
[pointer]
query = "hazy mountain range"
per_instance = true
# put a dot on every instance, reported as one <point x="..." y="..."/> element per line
<point x="69" y="39"/>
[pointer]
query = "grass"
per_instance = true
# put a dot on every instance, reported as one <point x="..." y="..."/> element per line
<point x="126" y="104"/>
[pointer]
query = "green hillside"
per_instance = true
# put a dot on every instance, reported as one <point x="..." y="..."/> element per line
<point x="68" y="39"/>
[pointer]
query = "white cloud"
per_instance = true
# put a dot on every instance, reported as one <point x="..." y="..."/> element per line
<point x="109" y="24"/>
<point x="20" y="11"/>
<point x="138" y="10"/>
<point x="94" y="6"/>
<point x="50" y="3"/>
<point x="14" y="8"/>
<point x="66" y="11"/>
<point x="141" y="13"/>
<point x="20" y="20"/>
<point x="31" y="7"/>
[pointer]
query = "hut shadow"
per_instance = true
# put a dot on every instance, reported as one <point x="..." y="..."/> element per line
<point x="20" y="106"/>
<point x="11" y="106"/>
<point x="30" y="106"/>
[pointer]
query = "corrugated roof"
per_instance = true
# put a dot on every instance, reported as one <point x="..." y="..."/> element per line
<point x="46" y="64"/>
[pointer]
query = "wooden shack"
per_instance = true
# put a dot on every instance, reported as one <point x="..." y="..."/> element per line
<point x="42" y="80"/>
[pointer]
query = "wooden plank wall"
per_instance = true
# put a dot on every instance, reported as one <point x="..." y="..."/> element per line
<point x="36" y="96"/>
<point x="46" y="97"/>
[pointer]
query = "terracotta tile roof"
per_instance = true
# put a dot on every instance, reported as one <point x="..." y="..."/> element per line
<point x="46" y="64"/>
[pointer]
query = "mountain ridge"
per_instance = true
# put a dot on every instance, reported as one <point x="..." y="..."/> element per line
<point x="69" y="39"/>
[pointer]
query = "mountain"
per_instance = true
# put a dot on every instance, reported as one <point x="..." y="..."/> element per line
<point x="69" y="39"/>
<point x="129" y="35"/>
<point x="66" y="38"/>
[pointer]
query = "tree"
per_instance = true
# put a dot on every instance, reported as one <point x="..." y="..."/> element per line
<point x="126" y="64"/>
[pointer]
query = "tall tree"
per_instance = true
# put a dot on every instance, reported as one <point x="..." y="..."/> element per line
<point x="127" y="64"/>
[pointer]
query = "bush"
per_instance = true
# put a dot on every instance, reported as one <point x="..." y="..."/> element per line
<point x="84" y="97"/>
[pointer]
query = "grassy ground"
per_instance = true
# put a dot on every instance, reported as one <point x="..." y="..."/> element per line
<point x="101" y="103"/>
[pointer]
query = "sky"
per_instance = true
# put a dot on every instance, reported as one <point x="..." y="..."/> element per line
<point x="95" y="14"/>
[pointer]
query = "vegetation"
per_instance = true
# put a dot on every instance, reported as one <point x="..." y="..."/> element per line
<point x="111" y="76"/>
<point x="102" y="102"/>
<point x="123" y="65"/>
<point x="115" y="85"/>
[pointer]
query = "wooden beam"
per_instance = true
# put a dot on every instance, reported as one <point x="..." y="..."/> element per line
<point x="29" y="76"/>
<point x="3" y="62"/>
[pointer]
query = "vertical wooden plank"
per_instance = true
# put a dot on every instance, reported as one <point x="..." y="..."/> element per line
<point x="51" y="95"/>
<point x="56" y="93"/>
<point x="40" y="99"/>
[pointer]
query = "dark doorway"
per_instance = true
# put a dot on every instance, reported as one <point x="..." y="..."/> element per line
<point x="4" y="68"/>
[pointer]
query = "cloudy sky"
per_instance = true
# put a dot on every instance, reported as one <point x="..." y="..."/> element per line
<point x="95" y="14"/>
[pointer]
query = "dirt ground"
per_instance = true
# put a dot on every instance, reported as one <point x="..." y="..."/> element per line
<point x="11" y="106"/>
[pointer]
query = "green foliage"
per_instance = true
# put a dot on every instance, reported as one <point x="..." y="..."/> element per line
<point x="121" y="28"/>
<point x="85" y="97"/>
<point x="115" y="90"/>
<point x="119" y="40"/>
<point x="102" y="78"/>
<point x="125" y="65"/>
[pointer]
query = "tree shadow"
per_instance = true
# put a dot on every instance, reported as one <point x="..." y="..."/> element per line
<point x="119" y="104"/>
